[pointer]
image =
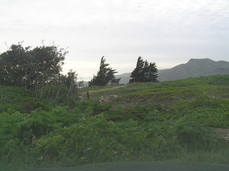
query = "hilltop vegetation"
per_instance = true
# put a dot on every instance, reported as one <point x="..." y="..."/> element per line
<point x="141" y="121"/>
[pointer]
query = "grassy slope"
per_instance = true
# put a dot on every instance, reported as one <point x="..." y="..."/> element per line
<point x="146" y="121"/>
<point x="203" y="99"/>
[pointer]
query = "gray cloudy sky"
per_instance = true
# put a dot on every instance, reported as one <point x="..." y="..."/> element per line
<point x="168" y="32"/>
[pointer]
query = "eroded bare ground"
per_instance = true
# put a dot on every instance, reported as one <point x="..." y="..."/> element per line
<point x="105" y="89"/>
<point x="223" y="131"/>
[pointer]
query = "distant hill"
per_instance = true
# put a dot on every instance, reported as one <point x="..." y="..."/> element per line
<point x="193" y="68"/>
<point x="124" y="78"/>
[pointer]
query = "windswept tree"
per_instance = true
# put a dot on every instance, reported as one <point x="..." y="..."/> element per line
<point x="144" y="72"/>
<point x="38" y="69"/>
<point x="105" y="75"/>
<point x="28" y="67"/>
<point x="46" y="63"/>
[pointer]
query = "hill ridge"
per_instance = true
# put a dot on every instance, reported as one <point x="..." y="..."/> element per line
<point x="195" y="67"/>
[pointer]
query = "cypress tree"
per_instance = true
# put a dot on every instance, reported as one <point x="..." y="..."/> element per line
<point x="144" y="71"/>
<point x="105" y="75"/>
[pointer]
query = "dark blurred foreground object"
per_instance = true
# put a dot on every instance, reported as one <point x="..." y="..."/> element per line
<point x="142" y="166"/>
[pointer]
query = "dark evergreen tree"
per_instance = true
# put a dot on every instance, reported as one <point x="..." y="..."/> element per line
<point x="105" y="75"/>
<point x="144" y="72"/>
<point x="137" y="72"/>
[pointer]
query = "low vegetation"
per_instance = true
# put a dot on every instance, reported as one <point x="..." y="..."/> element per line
<point x="160" y="121"/>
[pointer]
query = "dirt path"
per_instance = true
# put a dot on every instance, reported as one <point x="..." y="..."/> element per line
<point x="223" y="131"/>
<point x="105" y="89"/>
<point x="148" y="166"/>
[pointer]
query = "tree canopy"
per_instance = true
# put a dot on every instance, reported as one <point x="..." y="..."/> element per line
<point x="105" y="75"/>
<point x="28" y="67"/>
<point x="38" y="69"/>
<point x="144" y="72"/>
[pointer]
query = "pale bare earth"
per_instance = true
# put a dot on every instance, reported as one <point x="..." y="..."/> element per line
<point x="223" y="131"/>
<point x="105" y="89"/>
<point x="102" y="99"/>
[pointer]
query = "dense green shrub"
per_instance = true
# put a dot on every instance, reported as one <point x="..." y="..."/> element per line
<point x="193" y="135"/>
<point x="34" y="126"/>
<point x="161" y="121"/>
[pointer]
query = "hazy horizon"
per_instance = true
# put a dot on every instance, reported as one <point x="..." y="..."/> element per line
<point x="167" y="32"/>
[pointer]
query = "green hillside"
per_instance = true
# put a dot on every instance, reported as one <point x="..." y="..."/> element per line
<point x="203" y="97"/>
<point x="185" y="120"/>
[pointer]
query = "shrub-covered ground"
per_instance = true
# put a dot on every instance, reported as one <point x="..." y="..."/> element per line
<point x="164" y="121"/>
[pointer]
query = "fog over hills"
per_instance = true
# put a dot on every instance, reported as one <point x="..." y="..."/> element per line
<point x="193" y="68"/>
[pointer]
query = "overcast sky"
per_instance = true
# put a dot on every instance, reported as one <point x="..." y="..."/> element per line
<point x="168" y="32"/>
